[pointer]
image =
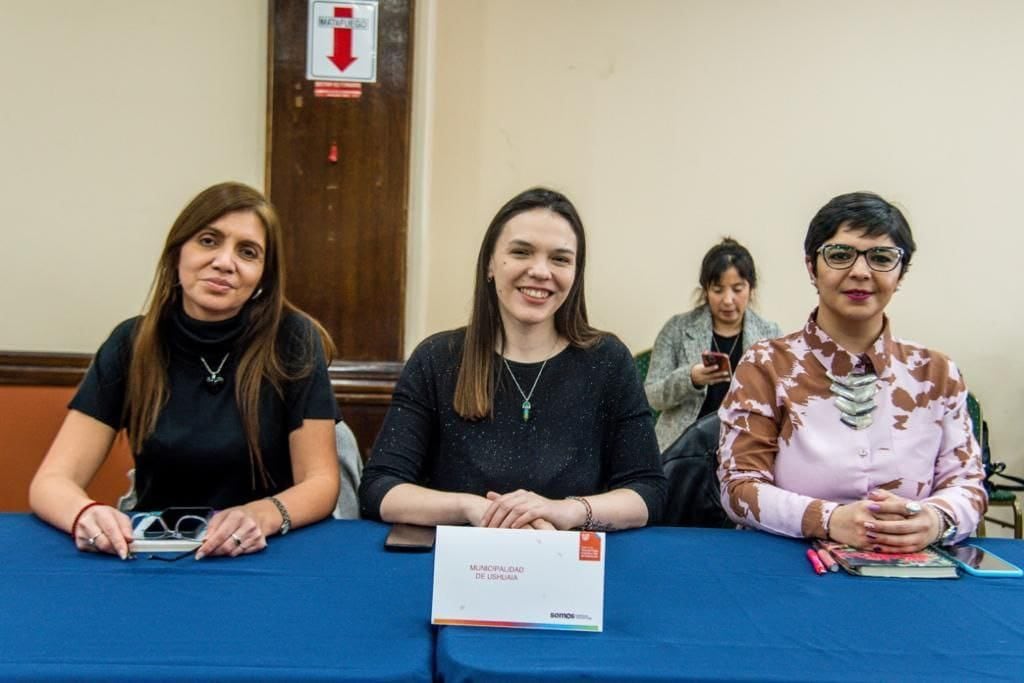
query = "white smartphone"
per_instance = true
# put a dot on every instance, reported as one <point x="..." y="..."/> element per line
<point x="981" y="562"/>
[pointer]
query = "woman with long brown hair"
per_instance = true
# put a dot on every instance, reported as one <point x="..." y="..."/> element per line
<point x="527" y="417"/>
<point x="221" y="386"/>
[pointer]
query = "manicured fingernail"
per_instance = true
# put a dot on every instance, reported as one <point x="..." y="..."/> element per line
<point x="123" y="554"/>
<point x="199" y="555"/>
<point x="869" y="525"/>
<point x="871" y="536"/>
<point x="878" y="548"/>
<point x="874" y="507"/>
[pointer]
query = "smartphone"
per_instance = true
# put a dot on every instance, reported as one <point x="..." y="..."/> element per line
<point x="981" y="562"/>
<point x="410" y="538"/>
<point x="716" y="359"/>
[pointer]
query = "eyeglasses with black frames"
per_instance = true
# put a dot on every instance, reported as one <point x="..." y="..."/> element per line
<point x="843" y="256"/>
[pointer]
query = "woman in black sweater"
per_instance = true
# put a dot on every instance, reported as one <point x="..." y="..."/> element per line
<point x="527" y="417"/>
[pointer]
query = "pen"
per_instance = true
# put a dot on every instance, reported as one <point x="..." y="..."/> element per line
<point x="819" y="568"/>
<point x="828" y="560"/>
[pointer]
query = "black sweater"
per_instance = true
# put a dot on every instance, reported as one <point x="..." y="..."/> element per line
<point x="590" y="429"/>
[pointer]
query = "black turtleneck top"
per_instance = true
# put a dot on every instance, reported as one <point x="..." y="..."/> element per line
<point x="197" y="455"/>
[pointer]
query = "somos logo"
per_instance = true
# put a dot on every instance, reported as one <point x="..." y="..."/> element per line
<point x="570" y="615"/>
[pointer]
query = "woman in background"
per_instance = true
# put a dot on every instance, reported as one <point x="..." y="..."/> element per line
<point x="842" y="431"/>
<point x="678" y="383"/>
<point x="527" y="417"/>
<point x="221" y="386"/>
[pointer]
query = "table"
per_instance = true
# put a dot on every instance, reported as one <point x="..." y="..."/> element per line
<point x="718" y="604"/>
<point x="327" y="603"/>
<point x="323" y="603"/>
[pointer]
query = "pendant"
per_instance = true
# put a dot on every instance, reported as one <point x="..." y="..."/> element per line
<point x="855" y="398"/>
<point x="214" y="383"/>
<point x="526" y="411"/>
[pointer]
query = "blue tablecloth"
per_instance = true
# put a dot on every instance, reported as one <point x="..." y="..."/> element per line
<point x="322" y="603"/>
<point x="327" y="603"/>
<point x="703" y="604"/>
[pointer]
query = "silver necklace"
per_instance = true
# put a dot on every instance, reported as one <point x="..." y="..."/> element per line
<point x="526" y="405"/>
<point x="736" y="339"/>
<point x="214" y="382"/>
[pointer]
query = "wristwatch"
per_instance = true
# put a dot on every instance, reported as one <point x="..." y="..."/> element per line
<point x="286" y="519"/>
<point x="947" y="526"/>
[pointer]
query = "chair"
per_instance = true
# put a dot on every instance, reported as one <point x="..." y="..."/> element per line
<point x="351" y="463"/>
<point x="691" y="467"/>
<point x="643" y="364"/>
<point x="999" y="497"/>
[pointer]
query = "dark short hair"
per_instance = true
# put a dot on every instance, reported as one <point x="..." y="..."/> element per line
<point x="864" y="211"/>
<point x="725" y="255"/>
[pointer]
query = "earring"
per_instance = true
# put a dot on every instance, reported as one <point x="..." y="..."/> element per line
<point x="256" y="294"/>
<point x="490" y="278"/>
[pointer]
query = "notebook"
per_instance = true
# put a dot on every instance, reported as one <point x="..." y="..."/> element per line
<point x="924" y="564"/>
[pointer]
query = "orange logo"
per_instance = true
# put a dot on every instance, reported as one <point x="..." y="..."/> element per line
<point x="590" y="546"/>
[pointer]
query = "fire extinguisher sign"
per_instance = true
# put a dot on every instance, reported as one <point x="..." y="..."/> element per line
<point x="341" y="44"/>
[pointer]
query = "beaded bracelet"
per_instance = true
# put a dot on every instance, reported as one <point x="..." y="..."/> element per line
<point x="74" y="524"/>
<point x="590" y="511"/>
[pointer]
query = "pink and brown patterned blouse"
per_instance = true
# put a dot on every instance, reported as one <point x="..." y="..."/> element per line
<point x="786" y="461"/>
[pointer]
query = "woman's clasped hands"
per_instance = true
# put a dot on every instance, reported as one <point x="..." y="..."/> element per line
<point x="885" y="523"/>
<point x="521" y="509"/>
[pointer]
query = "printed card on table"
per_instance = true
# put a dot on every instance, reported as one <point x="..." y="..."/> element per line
<point x="513" y="578"/>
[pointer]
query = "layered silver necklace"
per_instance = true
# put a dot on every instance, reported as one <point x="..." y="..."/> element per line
<point x="855" y="398"/>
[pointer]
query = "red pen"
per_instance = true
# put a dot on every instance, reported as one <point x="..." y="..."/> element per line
<point x="819" y="568"/>
<point x="827" y="559"/>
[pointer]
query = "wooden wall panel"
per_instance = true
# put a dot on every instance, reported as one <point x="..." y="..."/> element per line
<point x="29" y="419"/>
<point x="362" y="390"/>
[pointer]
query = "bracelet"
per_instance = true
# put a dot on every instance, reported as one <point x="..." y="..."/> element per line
<point x="74" y="524"/>
<point x="945" y="522"/>
<point x="590" y="511"/>
<point x="286" y="519"/>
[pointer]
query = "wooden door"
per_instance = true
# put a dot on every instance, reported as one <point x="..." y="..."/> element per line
<point x="338" y="173"/>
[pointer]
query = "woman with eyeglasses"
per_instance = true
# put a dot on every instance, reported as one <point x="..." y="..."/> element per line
<point x="528" y="417"/>
<point x="841" y="430"/>
<point x="221" y="387"/>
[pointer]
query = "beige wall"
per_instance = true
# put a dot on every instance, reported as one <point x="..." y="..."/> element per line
<point x="671" y="123"/>
<point x="114" y="115"/>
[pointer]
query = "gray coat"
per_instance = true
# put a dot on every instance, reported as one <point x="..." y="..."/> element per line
<point x="677" y="349"/>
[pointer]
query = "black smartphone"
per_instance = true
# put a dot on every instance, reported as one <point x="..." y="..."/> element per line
<point x="410" y="538"/>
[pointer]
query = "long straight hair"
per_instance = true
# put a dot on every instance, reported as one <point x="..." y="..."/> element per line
<point x="147" y="386"/>
<point x="475" y="387"/>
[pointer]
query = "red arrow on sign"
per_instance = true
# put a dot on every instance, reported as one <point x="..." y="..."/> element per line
<point x="342" y="57"/>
